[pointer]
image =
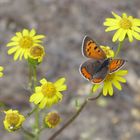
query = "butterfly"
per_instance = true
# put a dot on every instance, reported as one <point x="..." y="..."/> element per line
<point x="98" y="66"/>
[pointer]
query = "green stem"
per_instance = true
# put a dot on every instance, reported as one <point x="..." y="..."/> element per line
<point x="30" y="113"/>
<point x="30" y="76"/>
<point x="73" y="117"/>
<point x="28" y="133"/>
<point x="119" y="48"/>
<point x="37" y="110"/>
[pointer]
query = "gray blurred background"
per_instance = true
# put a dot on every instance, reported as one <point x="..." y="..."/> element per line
<point x="66" y="22"/>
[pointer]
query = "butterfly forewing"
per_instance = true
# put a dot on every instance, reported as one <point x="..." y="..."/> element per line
<point x="91" y="50"/>
<point x="89" y="68"/>
<point x="116" y="64"/>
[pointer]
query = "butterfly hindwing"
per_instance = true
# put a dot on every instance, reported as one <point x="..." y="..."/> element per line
<point x="89" y="68"/>
<point x="116" y="64"/>
<point x="91" y="50"/>
<point x="100" y="75"/>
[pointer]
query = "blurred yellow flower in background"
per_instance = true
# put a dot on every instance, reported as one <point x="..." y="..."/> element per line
<point x="108" y="51"/>
<point x="1" y="71"/>
<point x="52" y="119"/>
<point x="48" y="93"/>
<point x="126" y="26"/>
<point x="110" y="80"/>
<point x="13" y="120"/>
<point x="37" y="53"/>
<point x="22" y="42"/>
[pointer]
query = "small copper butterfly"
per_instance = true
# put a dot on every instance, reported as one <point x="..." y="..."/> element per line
<point x="98" y="66"/>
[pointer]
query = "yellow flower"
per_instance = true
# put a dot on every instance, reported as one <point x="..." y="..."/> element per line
<point x="13" y="120"/>
<point x="48" y="93"/>
<point x="22" y="42"/>
<point x="52" y="119"/>
<point x="108" y="51"/>
<point x="110" y="80"/>
<point x="1" y="71"/>
<point x="126" y="26"/>
<point x="37" y="53"/>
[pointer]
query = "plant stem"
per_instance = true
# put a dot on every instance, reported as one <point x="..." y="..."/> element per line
<point x="119" y="48"/>
<point x="73" y="117"/>
<point x="27" y="133"/>
<point x="30" y="113"/>
<point x="30" y="76"/>
<point x="36" y="110"/>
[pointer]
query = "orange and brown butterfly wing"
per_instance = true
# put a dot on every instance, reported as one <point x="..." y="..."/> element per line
<point x="116" y="64"/>
<point x="92" y="72"/>
<point x="89" y="68"/>
<point x="91" y="50"/>
<point x="100" y="75"/>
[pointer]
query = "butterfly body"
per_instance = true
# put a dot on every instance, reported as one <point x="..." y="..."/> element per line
<point x="96" y="68"/>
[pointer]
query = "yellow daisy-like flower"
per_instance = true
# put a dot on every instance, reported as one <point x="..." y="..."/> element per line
<point x="1" y="71"/>
<point x="22" y="42"/>
<point x="37" y="53"/>
<point x="110" y="80"/>
<point x="126" y="26"/>
<point x="52" y="119"/>
<point x="48" y="93"/>
<point x="108" y="51"/>
<point x="13" y="120"/>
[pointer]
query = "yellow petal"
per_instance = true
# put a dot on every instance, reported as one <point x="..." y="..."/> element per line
<point x="32" y="33"/>
<point x="12" y="50"/>
<point x="122" y="35"/>
<point x="120" y="79"/>
<point x="117" y="34"/>
<point x="17" y="54"/>
<point x="105" y="88"/>
<point x="43" y="81"/>
<point x="117" y="84"/>
<point x="1" y="68"/>
<point x="112" y="28"/>
<point x="62" y="88"/>
<point x="96" y="87"/>
<point x="37" y="89"/>
<point x="43" y="103"/>
<point x="1" y="74"/>
<point x="135" y="28"/>
<point x="116" y="16"/>
<point x="110" y="89"/>
<point x="60" y="82"/>
<point x="25" y="32"/>
<point x="136" y="35"/>
<point x="121" y="72"/>
<point x="38" y="37"/>
<point x="15" y="38"/>
<point x="130" y="37"/>
<point x="12" y="44"/>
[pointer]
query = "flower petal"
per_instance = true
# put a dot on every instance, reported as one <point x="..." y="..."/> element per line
<point x="117" y="34"/>
<point x="96" y="87"/>
<point x="43" y="81"/>
<point x="32" y="33"/>
<point x="117" y="84"/>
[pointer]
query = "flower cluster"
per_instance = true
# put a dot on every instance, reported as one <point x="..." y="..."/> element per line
<point x="48" y="93"/>
<point x="126" y="26"/>
<point x="13" y="120"/>
<point x="21" y="45"/>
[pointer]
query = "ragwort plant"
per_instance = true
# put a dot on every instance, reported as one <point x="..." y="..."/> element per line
<point x="29" y="45"/>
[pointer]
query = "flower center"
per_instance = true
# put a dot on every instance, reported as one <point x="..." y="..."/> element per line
<point x="26" y="42"/>
<point x="12" y="119"/>
<point x="110" y="77"/>
<point x="36" y="51"/>
<point x="48" y="90"/>
<point x="125" y="23"/>
<point x="53" y="119"/>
